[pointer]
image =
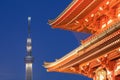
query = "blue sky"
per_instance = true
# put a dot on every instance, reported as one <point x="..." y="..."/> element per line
<point x="48" y="44"/>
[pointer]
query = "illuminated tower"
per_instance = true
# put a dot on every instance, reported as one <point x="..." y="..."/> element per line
<point x="29" y="57"/>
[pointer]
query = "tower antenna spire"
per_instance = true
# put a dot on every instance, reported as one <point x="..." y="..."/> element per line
<point x="29" y="23"/>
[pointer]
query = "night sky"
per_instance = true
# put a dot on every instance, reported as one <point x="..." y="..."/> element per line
<point x="48" y="44"/>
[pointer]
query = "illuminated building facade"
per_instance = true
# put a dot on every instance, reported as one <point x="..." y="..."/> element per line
<point x="99" y="55"/>
<point x="29" y="57"/>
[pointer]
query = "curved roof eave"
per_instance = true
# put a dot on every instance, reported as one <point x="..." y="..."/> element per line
<point x="74" y="52"/>
<point x="70" y="6"/>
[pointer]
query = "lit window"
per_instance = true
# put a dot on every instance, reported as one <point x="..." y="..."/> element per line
<point x="119" y="49"/>
<point x="77" y="22"/>
<point x="88" y="63"/>
<point x="119" y="15"/>
<point x="109" y="21"/>
<point x="86" y="20"/>
<point x="117" y="69"/>
<point x="107" y="2"/>
<point x="103" y="26"/>
<point x="81" y="68"/>
<point x="101" y="8"/>
<point x="92" y="15"/>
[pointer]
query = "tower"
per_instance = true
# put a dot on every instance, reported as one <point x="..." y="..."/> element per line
<point x="29" y="57"/>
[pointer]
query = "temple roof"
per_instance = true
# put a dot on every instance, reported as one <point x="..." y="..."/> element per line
<point x="76" y="11"/>
<point x="103" y="44"/>
<point x="99" y="17"/>
<point x="84" y="15"/>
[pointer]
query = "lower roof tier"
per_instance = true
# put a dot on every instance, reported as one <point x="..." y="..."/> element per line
<point x="104" y="45"/>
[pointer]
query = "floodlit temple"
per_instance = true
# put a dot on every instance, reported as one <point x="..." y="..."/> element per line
<point x="99" y="55"/>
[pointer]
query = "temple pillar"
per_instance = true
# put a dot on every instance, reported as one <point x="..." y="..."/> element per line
<point x="106" y="70"/>
<point x="117" y="70"/>
<point x="110" y="75"/>
<point x="110" y="70"/>
<point x="100" y="74"/>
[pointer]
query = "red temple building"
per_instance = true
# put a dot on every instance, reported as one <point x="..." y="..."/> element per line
<point x="98" y="56"/>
